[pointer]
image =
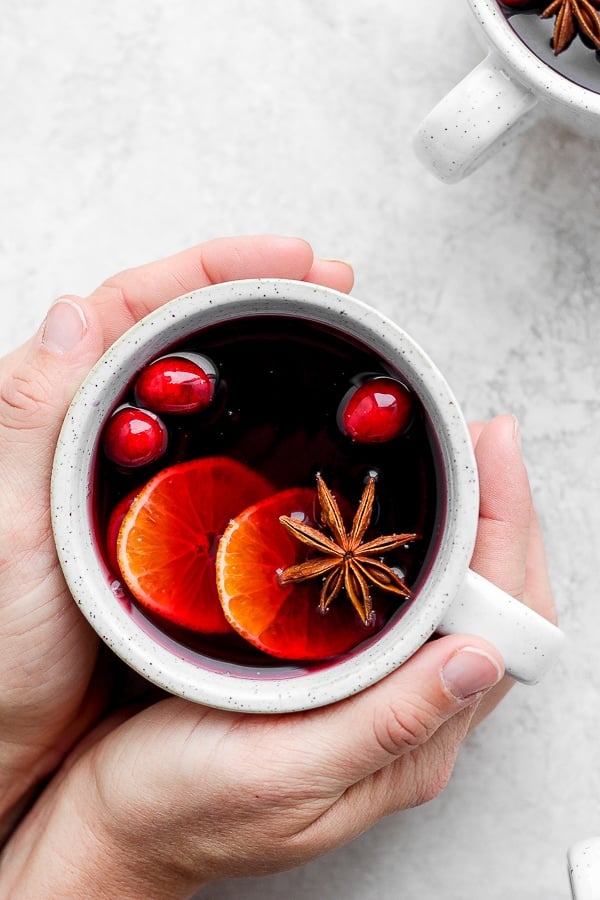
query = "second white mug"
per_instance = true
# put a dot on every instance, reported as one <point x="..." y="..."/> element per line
<point x="518" y="82"/>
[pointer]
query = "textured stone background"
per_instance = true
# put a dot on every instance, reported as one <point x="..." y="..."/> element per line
<point x="130" y="130"/>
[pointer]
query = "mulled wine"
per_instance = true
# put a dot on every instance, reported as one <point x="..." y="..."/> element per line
<point x="568" y="48"/>
<point x="267" y="494"/>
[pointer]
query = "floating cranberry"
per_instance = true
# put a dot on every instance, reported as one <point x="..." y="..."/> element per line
<point x="134" y="437"/>
<point x="179" y="383"/>
<point x="377" y="410"/>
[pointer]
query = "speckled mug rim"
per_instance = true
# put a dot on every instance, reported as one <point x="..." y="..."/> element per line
<point x="71" y="497"/>
<point x="548" y="84"/>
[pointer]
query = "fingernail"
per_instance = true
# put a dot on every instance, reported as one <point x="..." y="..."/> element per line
<point x="516" y="431"/>
<point x="64" y="327"/>
<point x="469" y="672"/>
<point x="330" y="261"/>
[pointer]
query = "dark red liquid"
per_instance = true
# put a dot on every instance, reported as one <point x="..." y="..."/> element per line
<point x="275" y="410"/>
<point x="579" y="63"/>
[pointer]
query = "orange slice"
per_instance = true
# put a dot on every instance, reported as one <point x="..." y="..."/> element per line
<point x="112" y="530"/>
<point x="283" y="621"/>
<point x="168" y="539"/>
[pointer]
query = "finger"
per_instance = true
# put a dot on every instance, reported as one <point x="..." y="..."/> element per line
<point x="410" y="780"/>
<point x="526" y="576"/>
<point x="502" y="542"/>
<point x="475" y="430"/>
<point x="538" y="590"/>
<point x="359" y="736"/>
<point x="128" y="296"/>
<point x="123" y="299"/>
<point x="331" y="273"/>
<point x="538" y="595"/>
<point x="510" y="547"/>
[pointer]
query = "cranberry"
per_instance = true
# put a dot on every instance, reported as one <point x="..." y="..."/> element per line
<point x="377" y="410"/>
<point x="179" y="383"/>
<point x="134" y="437"/>
<point x="519" y="4"/>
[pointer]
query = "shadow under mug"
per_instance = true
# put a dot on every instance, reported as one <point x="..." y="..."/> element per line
<point x="507" y="92"/>
<point x="450" y="598"/>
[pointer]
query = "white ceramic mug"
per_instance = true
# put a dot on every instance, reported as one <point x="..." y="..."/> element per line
<point x="450" y="599"/>
<point x="506" y="93"/>
<point x="584" y="869"/>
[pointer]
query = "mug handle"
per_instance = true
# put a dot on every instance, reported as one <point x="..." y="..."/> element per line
<point x="475" y="119"/>
<point x="583" y="860"/>
<point x="527" y="642"/>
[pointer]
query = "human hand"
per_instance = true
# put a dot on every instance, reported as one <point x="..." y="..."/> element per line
<point x="157" y="802"/>
<point x="49" y="693"/>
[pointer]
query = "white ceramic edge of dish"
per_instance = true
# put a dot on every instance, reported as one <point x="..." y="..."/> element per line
<point x="70" y="497"/>
<point x="583" y="860"/>
<point x="550" y="85"/>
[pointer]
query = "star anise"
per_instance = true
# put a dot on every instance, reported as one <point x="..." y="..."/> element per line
<point x="345" y="561"/>
<point x="574" y="17"/>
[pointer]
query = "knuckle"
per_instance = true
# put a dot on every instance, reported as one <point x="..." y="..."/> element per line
<point x="431" y="782"/>
<point x="433" y="766"/>
<point x="112" y="286"/>
<point x="407" y="727"/>
<point x="114" y="291"/>
<point x="25" y="395"/>
<point x="413" y="780"/>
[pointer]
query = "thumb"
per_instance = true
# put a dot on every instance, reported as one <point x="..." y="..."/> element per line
<point x="36" y="386"/>
<point x="39" y="379"/>
<point x="365" y="733"/>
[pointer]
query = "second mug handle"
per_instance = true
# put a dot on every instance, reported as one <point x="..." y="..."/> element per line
<point x="584" y="869"/>
<point x="474" y="120"/>
<point x="528" y="643"/>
